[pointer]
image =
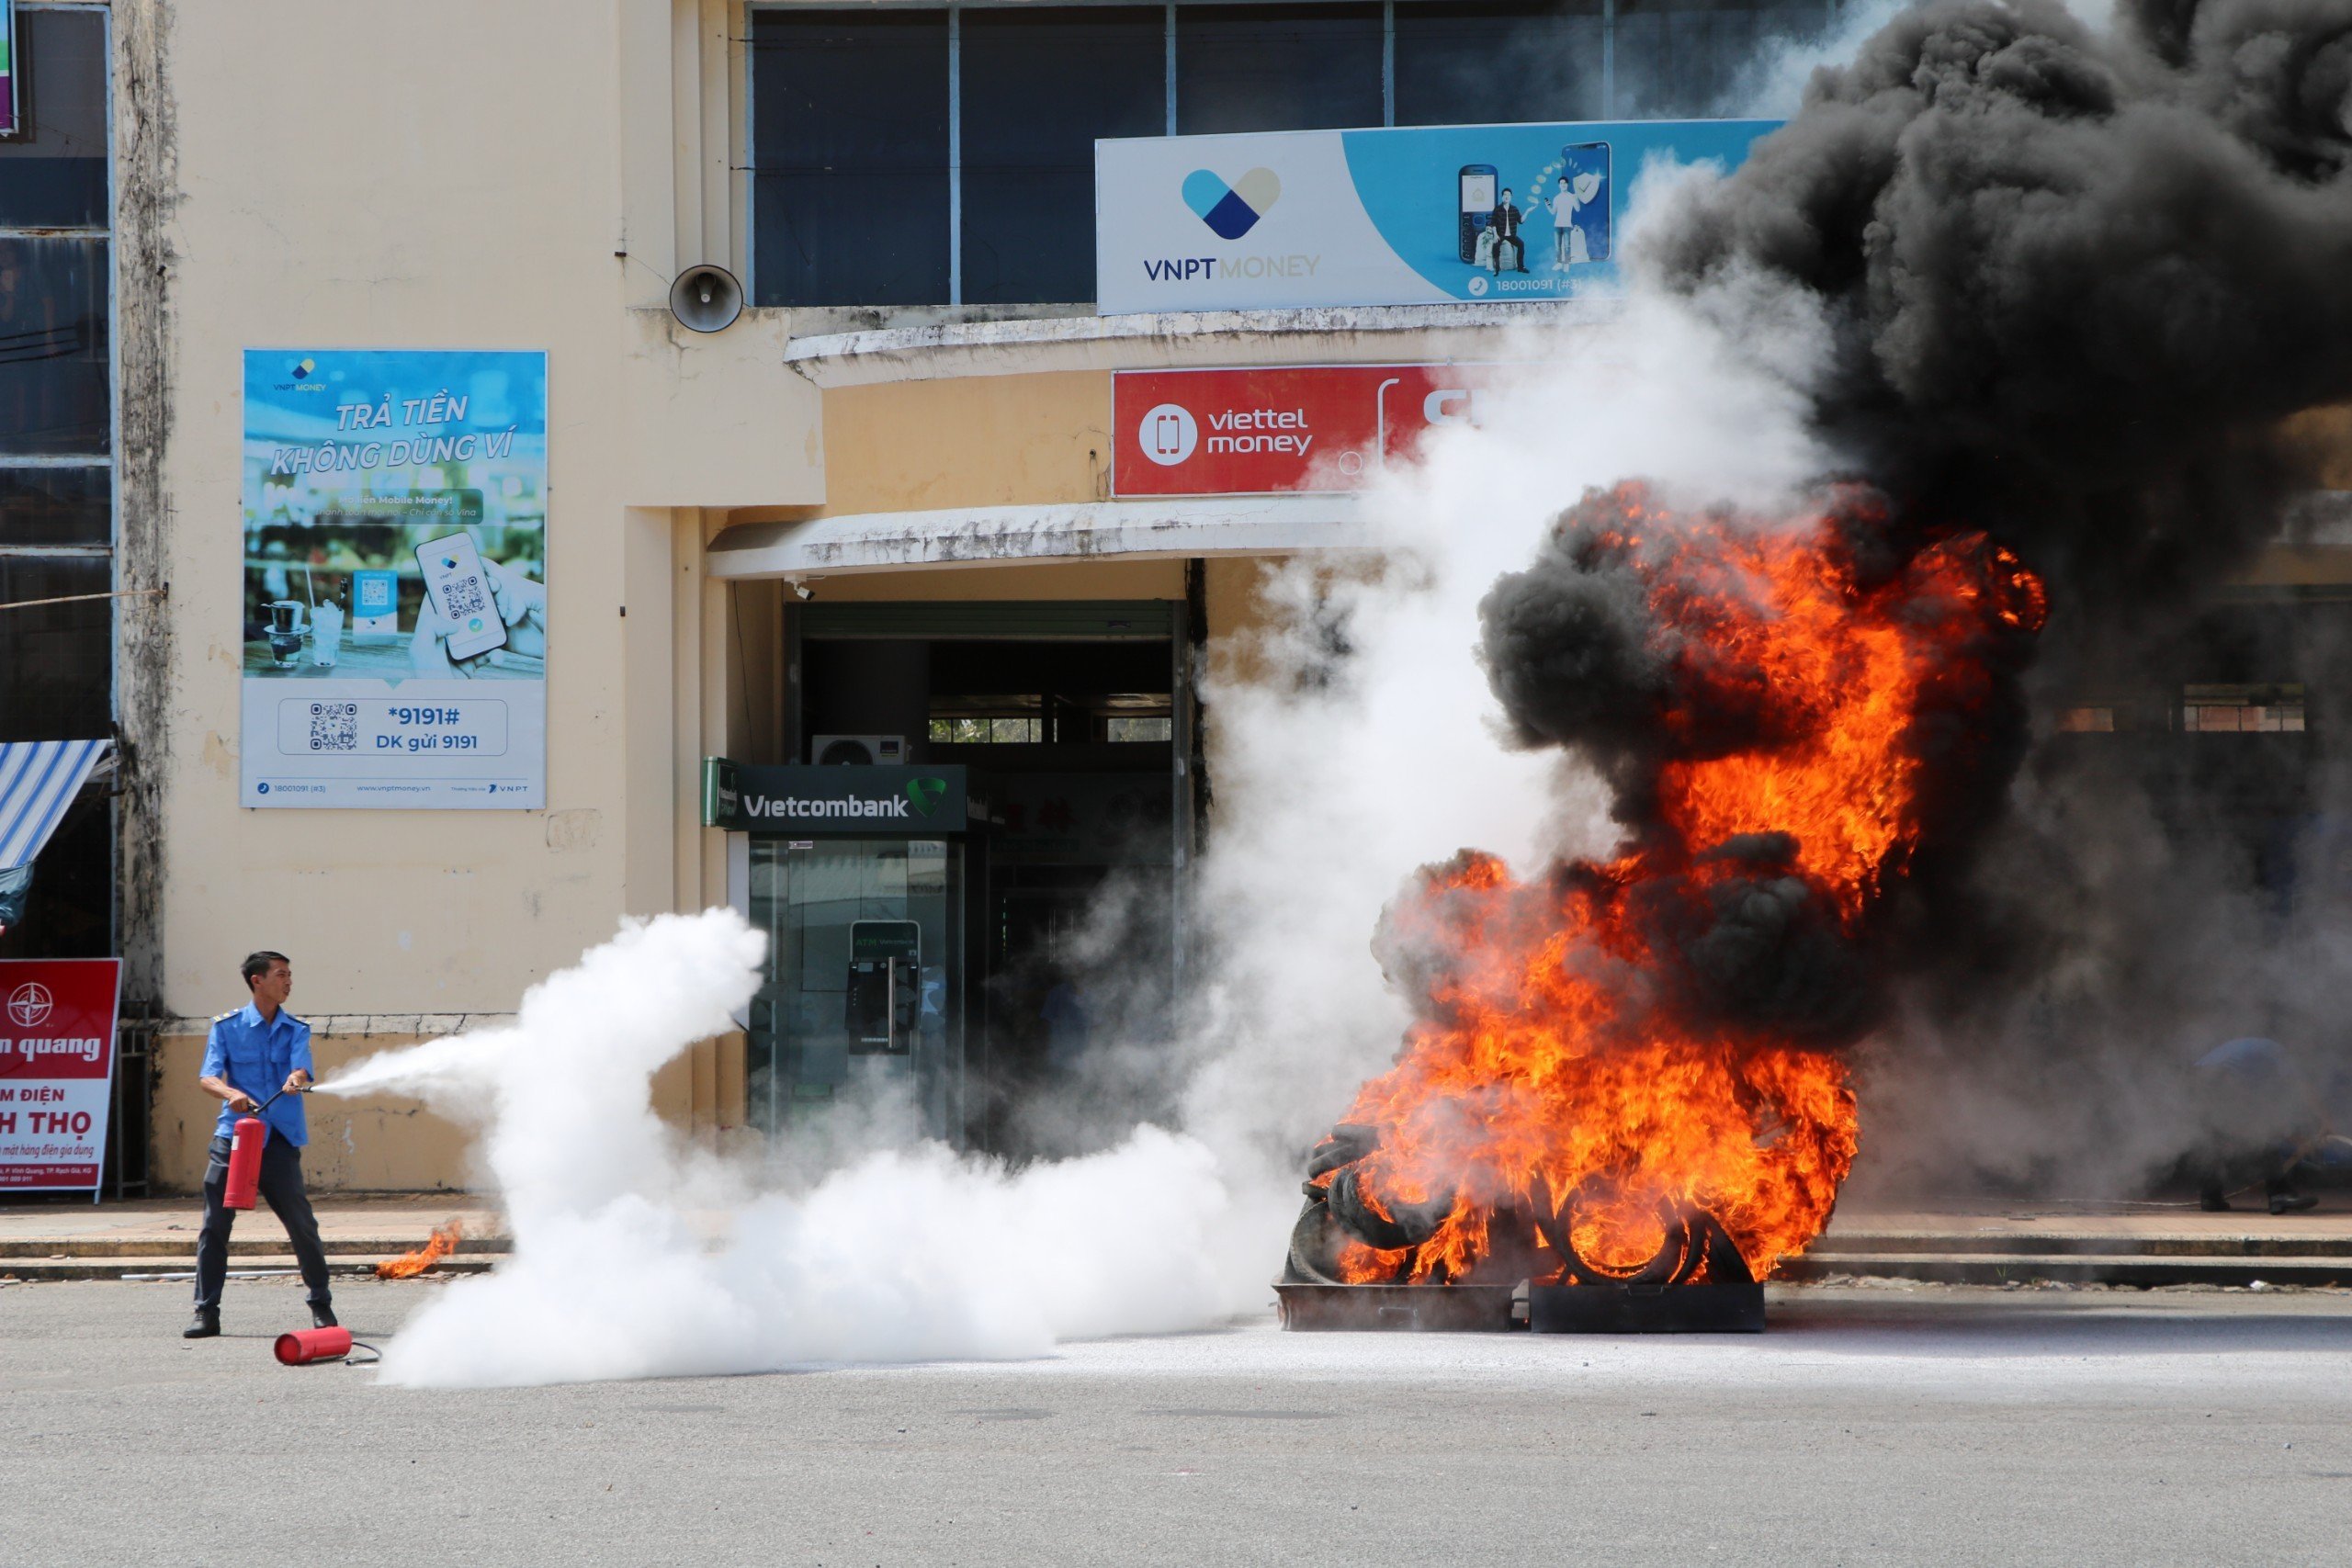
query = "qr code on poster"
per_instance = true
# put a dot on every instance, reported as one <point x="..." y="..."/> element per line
<point x="335" y="727"/>
<point x="463" y="597"/>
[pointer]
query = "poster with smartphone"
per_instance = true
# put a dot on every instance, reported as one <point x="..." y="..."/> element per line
<point x="1412" y="215"/>
<point x="394" y="600"/>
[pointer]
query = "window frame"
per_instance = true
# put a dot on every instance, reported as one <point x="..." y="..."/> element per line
<point x="109" y="462"/>
<point x="954" y="10"/>
<point x="104" y="235"/>
<point x="1610" y="107"/>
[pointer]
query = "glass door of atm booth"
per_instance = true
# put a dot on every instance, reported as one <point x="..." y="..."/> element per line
<point x="861" y="1008"/>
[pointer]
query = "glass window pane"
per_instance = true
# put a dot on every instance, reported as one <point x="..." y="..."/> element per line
<point x="52" y="348"/>
<point x="864" y="983"/>
<point x="1038" y="87"/>
<point x="57" y="657"/>
<point x="1277" y="67"/>
<point x="849" y="144"/>
<point x="55" y="506"/>
<point x="1497" y="61"/>
<point x="53" y="171"/>
<point x="1693" y="57"/>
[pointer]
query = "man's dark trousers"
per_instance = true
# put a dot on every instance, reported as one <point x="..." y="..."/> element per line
<point x="281" y="1186"/>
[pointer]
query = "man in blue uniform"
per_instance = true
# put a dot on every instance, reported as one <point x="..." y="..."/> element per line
<point x="254" y="1053"/>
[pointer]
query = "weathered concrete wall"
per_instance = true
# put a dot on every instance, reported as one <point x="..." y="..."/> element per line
<point x="146" y="193"/>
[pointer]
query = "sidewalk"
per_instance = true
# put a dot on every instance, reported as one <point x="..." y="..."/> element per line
<point x="2084" y="1244"/>
<point x="104" y="1241"/>
<point x="1986" y="1243"/>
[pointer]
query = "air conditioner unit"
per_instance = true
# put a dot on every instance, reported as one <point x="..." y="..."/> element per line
<point x="858" y="750"/>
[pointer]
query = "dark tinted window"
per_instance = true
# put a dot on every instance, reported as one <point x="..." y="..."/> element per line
<point x="1038" y="87"/>
<point x="1497" y="61"/>
<point x="69" y="912"/>
<point x="1693" y="58"/>
<point x="52" y="348"/>
<point x="54" y="659"/>
<point x="849" y="149"/>
<point x="54" y="506"/>
<point x="1277" y="67"/>
<point x="53" y="171"/>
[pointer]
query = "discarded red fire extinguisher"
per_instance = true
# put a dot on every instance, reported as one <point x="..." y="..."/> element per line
<point x="247" y="1137"/>
<point x="305" y="1346"/>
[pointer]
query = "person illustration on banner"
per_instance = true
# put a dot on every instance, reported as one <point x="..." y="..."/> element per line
<point x="521" y="605"/>
<point x="1567" y="240"/>
<point x="1503" y="223"/>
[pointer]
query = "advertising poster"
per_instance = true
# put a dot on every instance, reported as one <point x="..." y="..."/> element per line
<point x="395" y="601"/>
<point x="57" y="1018"/>
<point x="1411" y="216"/>
<point x="1280" y="428"/>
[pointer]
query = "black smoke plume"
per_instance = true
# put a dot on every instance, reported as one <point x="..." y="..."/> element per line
<point x="2075" y="286"/>
<point x="2074" y="280"/>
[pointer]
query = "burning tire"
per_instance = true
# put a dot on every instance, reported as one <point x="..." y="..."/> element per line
<point x="1405" y="1226"/>
<point x="1315" y="1245"/>
<point x="1674" y="1262"/>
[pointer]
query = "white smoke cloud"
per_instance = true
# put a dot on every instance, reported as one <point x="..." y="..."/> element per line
<point x="634" y="1258"/>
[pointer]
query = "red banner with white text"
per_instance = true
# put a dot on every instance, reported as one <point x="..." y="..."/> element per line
<point x="1280" y="428"/>
<point x="56" y="1018"/>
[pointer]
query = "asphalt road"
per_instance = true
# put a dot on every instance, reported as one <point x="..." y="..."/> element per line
<point x="1868" y="1426"/>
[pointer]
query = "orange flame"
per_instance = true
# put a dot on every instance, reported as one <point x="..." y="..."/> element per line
<point x="439" y="1245"/>
<point x="1555" y="1056"/>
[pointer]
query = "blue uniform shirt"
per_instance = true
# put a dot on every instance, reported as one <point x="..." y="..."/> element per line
<point x="258" y="1058"/>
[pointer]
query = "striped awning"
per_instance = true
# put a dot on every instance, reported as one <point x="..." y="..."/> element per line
<point x="38" y="781"/>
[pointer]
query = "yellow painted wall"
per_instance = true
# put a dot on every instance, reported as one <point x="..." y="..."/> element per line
<point x="561" y="172"/>
<point x="967" y="441"/>
<point x="391" y="1144"/>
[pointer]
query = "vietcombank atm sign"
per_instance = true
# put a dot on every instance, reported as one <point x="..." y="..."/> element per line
<point x="809" y="801"/>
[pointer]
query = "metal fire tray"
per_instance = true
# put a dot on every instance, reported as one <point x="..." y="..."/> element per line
<point x="1632" y="1309"/>
<point x="1425" y="1309"/>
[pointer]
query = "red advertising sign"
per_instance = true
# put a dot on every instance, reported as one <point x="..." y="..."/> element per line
<point x="56" y="1070"/>
<point x="1292" y="427"/>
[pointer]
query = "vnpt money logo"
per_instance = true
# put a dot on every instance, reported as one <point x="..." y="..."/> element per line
<point x="302" y="368"/>
<point x="1231" y="211"/>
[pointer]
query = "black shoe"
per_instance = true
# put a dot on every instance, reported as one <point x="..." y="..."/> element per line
<point x="323" y="1315"/>
<point x="205" y="1325"/>
<point x="2213" y="1201"/>
<point x="2292" y="1203"/>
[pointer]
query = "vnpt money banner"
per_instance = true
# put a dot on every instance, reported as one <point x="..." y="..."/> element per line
<point x="1415" y="215"/>
<point x="393" y="606"/>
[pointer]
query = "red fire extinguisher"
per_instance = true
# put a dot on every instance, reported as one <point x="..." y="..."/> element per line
<point x="306" y="1346"/>
<point x="247" y="1137"/>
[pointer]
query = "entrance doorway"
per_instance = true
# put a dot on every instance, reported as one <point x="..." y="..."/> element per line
<point x="1078" y="716"/>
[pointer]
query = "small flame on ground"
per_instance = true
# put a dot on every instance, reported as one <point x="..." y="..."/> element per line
<point x="439" y="1245"/>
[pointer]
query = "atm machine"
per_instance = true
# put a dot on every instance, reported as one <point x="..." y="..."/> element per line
<point x="869" y="882"/>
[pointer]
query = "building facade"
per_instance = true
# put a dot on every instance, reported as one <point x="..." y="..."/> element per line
<point x="877" y="518"/>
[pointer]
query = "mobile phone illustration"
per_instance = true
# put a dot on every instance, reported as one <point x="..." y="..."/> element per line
<point x="1585" y="165"/>
<point x="1167" y="436"/>
<point x="461" y="590"/>
<point x="1476" y="205"/>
